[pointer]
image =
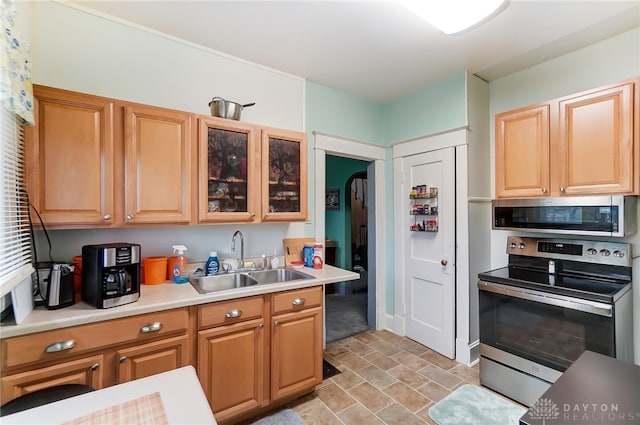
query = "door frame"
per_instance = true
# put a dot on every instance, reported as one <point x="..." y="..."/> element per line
<point x="327" y="144"/>
<point x="457" y="138"/>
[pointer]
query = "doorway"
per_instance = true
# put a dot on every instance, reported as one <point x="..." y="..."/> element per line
<point x="374" y="156"/>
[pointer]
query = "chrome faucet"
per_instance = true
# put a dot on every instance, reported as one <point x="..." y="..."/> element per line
<point x="233" y="247"/>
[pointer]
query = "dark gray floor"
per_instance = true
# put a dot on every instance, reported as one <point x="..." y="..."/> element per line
<point x="346" y="315"/>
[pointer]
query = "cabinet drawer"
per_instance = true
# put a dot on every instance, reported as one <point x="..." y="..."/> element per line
<point x="225" y="312"/>
<point x="63" y="342"/>
<point x="297" y="299"/>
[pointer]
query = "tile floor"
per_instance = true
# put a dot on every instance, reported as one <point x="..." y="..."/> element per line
<point x="384" y="379"/>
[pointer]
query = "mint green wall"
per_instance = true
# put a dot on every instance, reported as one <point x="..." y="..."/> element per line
<point x="338" y="172"/>
<point x="436" y="108"/>
<point x="341" y="114"/>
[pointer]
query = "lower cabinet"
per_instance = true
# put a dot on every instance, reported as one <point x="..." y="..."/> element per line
<point x="99" y="354"/>
<point x="256" y="351"/>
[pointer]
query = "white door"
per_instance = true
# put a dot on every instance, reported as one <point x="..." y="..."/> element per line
<point x="429" y="269"/>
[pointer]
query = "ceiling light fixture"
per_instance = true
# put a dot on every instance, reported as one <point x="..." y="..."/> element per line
<point x="454" y="16"/>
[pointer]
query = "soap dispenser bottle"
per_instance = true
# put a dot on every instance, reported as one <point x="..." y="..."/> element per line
<point x="179" y="267"/>
<point x="213" y="264"/>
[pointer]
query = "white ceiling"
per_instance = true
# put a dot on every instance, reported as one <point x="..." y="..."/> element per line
<point x="377" y="49"/>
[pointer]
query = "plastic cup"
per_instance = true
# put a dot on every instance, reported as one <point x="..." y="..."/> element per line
<point x="155" y="269"/>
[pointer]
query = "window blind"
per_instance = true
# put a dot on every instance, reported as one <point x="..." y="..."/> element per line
<point x="15" y="236"/>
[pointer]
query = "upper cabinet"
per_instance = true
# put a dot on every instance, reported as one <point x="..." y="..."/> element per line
<point x="70" y="158"/>
<point x="250" y="174"/>
<point x="582" y="144"/>
<point x="158" y="157"/>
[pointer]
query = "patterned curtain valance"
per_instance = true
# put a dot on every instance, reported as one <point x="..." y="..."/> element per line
<point x="16" y="90"/>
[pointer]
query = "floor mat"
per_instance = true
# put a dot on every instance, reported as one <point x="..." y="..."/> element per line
<point x="328" y="370"/>
<point x="473" y="405"/>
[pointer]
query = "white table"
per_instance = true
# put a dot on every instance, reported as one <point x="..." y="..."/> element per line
<point x="182" y="397"/>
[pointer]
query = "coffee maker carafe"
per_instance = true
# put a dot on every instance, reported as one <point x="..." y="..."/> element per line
<point x="110" y="274"/>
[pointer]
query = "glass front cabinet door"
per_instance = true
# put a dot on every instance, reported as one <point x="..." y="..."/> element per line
<point x="229" y="173"/>
<point x="284" y="175"/>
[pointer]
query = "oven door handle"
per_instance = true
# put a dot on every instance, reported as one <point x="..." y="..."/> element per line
<point x="586" y="306"/>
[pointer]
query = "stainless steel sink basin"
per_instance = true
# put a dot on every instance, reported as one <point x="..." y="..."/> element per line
<point x="221" y="282"/>
<point x="278" y="275"/>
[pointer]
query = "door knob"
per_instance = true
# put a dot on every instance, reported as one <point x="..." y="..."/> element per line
<point x="443" y="262"/>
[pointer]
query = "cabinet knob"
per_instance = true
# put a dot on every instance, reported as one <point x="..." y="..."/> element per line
<point x="298" y="301"/>
<point x="261" y="326"/>
<point x="266" y="215"/>
<point x="129" y="216"/>
<point x="544" y="190"/>
<point x="443" y="262"/>
<point x="107" y="217"/>
<point x="151" y="327"/>
<point x="95" y="366"/>
<point x="252" y="216"/>
<point x="233" y="314"/>
<point x="276" y="323"/>
<point x="561" y="188"/>
<point x="60" y="346"/>
<point x="122" y="359"/>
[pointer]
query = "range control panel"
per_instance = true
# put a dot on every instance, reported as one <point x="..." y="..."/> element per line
<point x="611" y="253"/>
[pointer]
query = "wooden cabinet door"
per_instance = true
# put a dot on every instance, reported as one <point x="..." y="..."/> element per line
<point x="522" y="152"/>
<point x="86" y="371"/>
<point x="158" y="145"/>
<point x="70" y="166"/>
<point x="284" y="175"/>
<point x="232" y="367"/>
<point x="296" y="352"/>
<point x="152" y="358"/>
<point x="228" y="172"/>
<point x="596" y="144"/>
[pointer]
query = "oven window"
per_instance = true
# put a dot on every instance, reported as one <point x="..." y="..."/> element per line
<point x="545" y="334"/>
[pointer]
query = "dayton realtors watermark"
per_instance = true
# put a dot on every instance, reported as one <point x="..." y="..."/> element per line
<point x="583" y="413"/>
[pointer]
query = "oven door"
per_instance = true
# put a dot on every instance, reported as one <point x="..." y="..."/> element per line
<point x="547" y="329"/>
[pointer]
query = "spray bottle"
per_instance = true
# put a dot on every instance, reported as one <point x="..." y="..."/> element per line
<point x="179" y="268"/>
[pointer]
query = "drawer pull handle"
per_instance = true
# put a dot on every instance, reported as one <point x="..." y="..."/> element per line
<point x="233" y="314"/>
<point x="95" y="366"/>
<point x="152" y="327"/>
<point x="298" y="301"/>
<point x="122" y="359"/>
<point x="60" y="346"/>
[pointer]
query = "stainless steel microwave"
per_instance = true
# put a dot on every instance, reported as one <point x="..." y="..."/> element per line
<point x="583" y="215"/>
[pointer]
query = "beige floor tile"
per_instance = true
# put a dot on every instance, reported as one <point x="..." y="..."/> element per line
<point x="353" y="361"/>
<point x="410" y="360"/>
<point x="413" y="347"/>
<point x="396" y="414"/>
<point x="334" y="397"/>
<point x="465" y="372"/>
<point x="357" y="347"/>
<point x="347" y="379"/>
<point x="424" y="415"/>
<point x="390" y="337"/>
<point x="377" y="377"/>
<point x="359" y="415"/>
<point x="442" y="377"/>
<point x="434" y="391"/>
<point x="380" y="360"/>
<point x="367" y="337"/>
<point x="407" y="397"/>
<point x="385" y="348"/>
<point x="335" y="349"/>
<point x="408" y="376"/>
<point x="318" y="414"/>
<point x="439" y="360"/>
<point x="370" y="397"/>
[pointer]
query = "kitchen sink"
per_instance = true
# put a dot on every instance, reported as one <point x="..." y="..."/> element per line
<point x="222" y="282"/>
<point x="278" y="275"/>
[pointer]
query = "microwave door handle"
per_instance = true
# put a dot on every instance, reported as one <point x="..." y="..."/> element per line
<point x="586" y="306"/>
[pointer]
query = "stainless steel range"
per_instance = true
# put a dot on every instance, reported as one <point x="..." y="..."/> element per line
<point x="555" y="299"/>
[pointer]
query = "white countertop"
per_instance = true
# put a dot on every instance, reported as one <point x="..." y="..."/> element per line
<point x="182" y="397"/>
<point x="161" y="297"/>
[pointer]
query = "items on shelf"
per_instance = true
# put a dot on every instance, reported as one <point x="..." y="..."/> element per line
<point x="429" y="207"/>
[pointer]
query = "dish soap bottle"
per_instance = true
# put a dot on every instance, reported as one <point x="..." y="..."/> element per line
<point x="213" y="264"/>
<point x="179" y="267"/>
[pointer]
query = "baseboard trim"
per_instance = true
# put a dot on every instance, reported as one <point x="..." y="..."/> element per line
<point x="467" y="353"/>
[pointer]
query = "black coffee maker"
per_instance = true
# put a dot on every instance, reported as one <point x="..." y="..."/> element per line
<point x="110" y="274"/>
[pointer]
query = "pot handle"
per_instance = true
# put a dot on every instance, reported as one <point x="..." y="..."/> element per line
<point x="248" y="104"/>
<point x="216" y="98"/>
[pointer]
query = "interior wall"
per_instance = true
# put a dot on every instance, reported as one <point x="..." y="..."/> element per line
<point x="77" y="50"/>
